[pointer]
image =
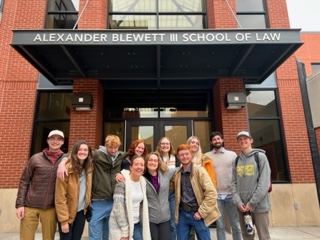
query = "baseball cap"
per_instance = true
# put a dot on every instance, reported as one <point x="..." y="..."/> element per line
<point x="243" y="133"/>
<point x="56" y="132"/>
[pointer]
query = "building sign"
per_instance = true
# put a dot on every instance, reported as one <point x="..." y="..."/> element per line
<point x="106" y="37"/>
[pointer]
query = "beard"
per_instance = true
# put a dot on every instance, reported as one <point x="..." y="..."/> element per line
<point x="217" y="145"/>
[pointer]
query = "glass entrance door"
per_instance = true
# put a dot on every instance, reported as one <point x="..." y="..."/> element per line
<point x="151" y="131"/>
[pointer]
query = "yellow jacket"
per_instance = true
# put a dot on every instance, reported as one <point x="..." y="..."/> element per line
<point x="204" y="191"/>
<point x="67" y="194"/>
<point x="207" y="164"/>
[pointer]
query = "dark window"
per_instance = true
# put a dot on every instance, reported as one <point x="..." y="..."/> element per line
<point x="157" y="14"/>
<point x="62" y="14"/>
<point x="157" y="104"/>
<point x="251" y="14"/>
<point x="315" y="67"/>
<point x="53" y="112"/>
<point x="148" y="110"/>
<point x="265" y="127"/>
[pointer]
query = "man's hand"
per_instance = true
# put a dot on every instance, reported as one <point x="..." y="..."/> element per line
<point x="62" y="169"/>
<point x="246" y="208"/>
<point x="119" y="177"/>
<point x="65" y="228"/>
<point x="249" y="208"/>
<point x="20" y="212"/>
<point x="197" y="216"/>
<point x="242" y="208"/>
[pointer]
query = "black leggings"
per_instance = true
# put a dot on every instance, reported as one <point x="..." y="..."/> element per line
<point x="160" y="231"/>
<point x="75" y="229"/>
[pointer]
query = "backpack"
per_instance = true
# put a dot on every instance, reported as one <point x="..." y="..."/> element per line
<point x="256" y="158"/>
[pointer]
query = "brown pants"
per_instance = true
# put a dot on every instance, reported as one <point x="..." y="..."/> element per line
<point x="261" y="222"/>
<point x="29" y="224"/>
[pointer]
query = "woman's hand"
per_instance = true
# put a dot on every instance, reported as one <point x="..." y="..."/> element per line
<point x="65" y="228"/>
<point x="124" y="238"/>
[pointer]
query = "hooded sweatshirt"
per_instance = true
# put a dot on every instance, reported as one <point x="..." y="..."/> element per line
<point x="104" y="170"/>
<point x="250" y="184"/>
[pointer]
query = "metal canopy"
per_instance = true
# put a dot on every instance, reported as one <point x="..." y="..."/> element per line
<point x="156" y="58"/>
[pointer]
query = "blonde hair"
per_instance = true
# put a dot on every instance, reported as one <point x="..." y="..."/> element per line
<point x="112" y="140"/>
<point x="196" y="159"/>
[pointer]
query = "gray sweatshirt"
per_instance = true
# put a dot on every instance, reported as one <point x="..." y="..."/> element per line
<point x="249" y="185"/>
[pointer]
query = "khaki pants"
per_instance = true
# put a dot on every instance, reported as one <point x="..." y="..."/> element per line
<point x="29" y="224"/>
<point x="261" y="221"/>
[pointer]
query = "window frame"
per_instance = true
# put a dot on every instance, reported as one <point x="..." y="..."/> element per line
<point x="63" y="13"/>
<point x="257" y="13"/>
<point x="156" y="13"/>
<point x="277" y="118"/>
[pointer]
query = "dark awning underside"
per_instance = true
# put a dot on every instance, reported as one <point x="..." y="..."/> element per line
<point x="62" y="55"/>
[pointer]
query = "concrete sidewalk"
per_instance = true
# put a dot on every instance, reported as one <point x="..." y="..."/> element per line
<point x="277" y="233"/>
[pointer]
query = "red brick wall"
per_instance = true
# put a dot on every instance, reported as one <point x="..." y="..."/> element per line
<point x="229" y="122"/>
<point x="300" y="168"/>
<point x="94" y="15"/>
<point x="309" y="52"/>
<point x="317" y="130"/>
<point x="87" y="124"/>
<point x="277" y="14"/>
<point x="18" y="81"/>
<point x="223" y="17"/>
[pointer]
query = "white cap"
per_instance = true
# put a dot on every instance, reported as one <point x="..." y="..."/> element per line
<point x="243" y="133"/>
<point x="56" y="132"/>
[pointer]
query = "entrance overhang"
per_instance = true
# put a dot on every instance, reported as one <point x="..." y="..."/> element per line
<point x="62" y="55"/>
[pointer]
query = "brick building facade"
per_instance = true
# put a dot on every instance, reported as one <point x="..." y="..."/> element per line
<point x="21" y="100"/>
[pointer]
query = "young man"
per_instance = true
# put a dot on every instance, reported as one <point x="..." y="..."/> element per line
<point x="106" y="163"/>
<point x="250" y="184"/>
<point x="223" y="162"/>
<point x="35" y="199"/>
<point x="195" y="195"/>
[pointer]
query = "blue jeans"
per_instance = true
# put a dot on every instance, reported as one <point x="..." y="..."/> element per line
<point x="186" y="221"/>
<point x="232" y="212"/>
<point x="99" y="223"/>
<point x="137" y="235"/>
<point x="172" y="203"/>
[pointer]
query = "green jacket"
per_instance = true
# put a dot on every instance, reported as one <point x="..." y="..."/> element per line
<point x="104" y="170"/>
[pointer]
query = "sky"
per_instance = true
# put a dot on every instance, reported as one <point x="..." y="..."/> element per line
<point x="304" y="14"/>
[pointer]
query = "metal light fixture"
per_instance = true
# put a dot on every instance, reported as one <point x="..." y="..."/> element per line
<point x="235" y="100"/>
<point x="82" y="101"/>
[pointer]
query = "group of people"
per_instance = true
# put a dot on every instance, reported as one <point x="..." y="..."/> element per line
<point x="139" y="195"/>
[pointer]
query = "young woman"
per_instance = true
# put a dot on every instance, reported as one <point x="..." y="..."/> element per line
<point x="138" y="148"/>
<point x="158" y="177"/>
<point x="72" y="195"/>
<point x="129" y="218"/>
<point x="166" y="153"/>
<point x="201" y="159"/>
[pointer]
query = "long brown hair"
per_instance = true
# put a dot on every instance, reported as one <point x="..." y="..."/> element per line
<point x="171" y="151"/>
<point x="74" y="158"/>
<point x="161" y="166"/>
<point x="134" y="144"/>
